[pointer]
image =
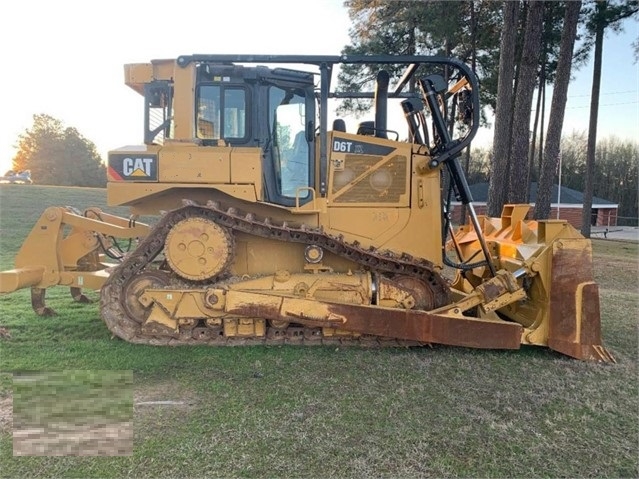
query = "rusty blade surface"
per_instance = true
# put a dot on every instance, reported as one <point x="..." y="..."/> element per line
<point x="385" y="322"/>
<point x="575" y="319"/>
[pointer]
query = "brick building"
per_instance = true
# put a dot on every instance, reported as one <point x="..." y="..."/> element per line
<point x="567" y="206"/>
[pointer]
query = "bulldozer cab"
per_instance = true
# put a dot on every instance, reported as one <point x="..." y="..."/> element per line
<point x="262" y="134"/>
<point x="232" y="106"/>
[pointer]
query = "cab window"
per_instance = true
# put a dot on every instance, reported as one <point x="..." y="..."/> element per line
<point x="221" y="113"/>
<point x="158" y="118"/>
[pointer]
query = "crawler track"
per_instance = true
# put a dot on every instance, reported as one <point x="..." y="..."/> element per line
<point x="122" y="325"/>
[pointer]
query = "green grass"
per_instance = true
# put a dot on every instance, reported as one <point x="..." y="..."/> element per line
<point x="288" y="411"/>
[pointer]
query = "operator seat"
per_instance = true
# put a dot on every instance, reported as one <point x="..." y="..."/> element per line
<point x="295" y="172"/>
<point x="366" y="128"/>
<point x="339" y="125"/>
<point x="300" y="149"/>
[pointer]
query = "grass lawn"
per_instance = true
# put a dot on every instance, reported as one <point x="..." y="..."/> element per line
<point x="290" y="411"/>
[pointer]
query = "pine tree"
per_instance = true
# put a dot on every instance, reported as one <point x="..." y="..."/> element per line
<point x="605" y="14"/>
<point x="557" y="110"/>
<point x="498" y="184"/>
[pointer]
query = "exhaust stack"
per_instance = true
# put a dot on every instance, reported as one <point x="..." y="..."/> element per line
<point x="381" y="104"/>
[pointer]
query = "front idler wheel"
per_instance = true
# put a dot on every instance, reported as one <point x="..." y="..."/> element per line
<point x="135" y="288"/>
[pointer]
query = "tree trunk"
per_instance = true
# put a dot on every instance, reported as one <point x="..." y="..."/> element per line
<point x="557" y="109"/>
<point x="540" y="155"/>
<point x="531" y="155"/>
<point x="503" y="113"/>
<point x="586" y="216"/>
<point x="527" y="78"/>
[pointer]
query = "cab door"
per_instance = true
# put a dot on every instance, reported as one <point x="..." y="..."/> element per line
<point x="290" y="151"/>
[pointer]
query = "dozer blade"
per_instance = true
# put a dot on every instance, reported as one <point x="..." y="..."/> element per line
<point x="554" y="263"/>
<point x="574" y="325"/>
<point x="411" y="325"/>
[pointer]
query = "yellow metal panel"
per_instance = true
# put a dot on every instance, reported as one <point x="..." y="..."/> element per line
<point x="15" y="279"/>
<point x="137" y="74"/>
<point x="184" y="104"/>
<point x="246" y="166"/>
<point x="40" y="248"/>
<point x="84" y="279"/>
<point x="193" y="164"/>
<point x="150" y="198"/>
<point x="121" y="193"/>
<point x="251" y="260"/>
<point x="242" y="192"/>
<point x="420" y="234"/>
<point x="364" y="223"/>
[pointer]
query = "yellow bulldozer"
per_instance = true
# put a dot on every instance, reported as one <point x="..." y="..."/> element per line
<point x="273" y="227"/>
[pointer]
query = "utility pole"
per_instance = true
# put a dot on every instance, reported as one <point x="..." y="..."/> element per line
<point x="559" y="187"/>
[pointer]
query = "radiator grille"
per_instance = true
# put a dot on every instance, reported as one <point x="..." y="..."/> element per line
<point x="361" y="182"/>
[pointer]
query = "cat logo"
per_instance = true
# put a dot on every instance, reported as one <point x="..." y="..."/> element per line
<point x="132" y="167"/>
<point x="137" y="166"/>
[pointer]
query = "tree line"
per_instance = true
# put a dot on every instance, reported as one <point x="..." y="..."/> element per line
<point x="58" y="155"/>
<point x="616" y="178"/>
<point x="516" y="47"/>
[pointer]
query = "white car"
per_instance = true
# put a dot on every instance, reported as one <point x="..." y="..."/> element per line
<point x="20" y="178"/>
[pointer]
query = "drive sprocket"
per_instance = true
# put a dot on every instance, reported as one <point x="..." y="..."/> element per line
<point x="198" y="249"/>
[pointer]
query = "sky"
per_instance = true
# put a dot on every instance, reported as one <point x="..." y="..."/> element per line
<point x="65" y="58"/>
